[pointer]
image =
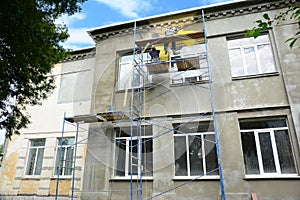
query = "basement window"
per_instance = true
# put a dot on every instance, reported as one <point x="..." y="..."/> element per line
<point x="267" y="147"/>
<point x="123" y="148"/>
<point x="195" y="150"/>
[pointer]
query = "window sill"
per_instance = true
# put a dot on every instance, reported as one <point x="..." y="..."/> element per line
<point x="144" y="178"/>
<point x="255" y="76"/>
<point x="28" y="177"/>
<point x="264" y="177"/>
<point x="203" y="178"/>
<point x="189" y="83"/>
<point x="62" y="177"/>
<point x="146" y="86"/>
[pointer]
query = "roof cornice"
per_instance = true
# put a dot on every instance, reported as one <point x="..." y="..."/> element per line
<point x="212" y="12"/>
<point x="81" y="54"/>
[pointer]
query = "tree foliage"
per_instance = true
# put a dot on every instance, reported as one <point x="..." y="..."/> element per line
<point x="292" y="12"/>
<point x="29" y="47"/>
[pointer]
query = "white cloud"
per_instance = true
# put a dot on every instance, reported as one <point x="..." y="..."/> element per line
<point x="128" y="8"/>
<point x="69" y="20"/>
<point x="78" y="38"/>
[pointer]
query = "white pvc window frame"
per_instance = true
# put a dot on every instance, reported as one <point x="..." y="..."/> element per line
<point x="186" y="136"/>
<point x="64" y="157"/>
<point x="125" y="71"/>
<point x="127" y="154"/>
<point x="36" y="154"/>
<point x="255" y="46"/>
<point x="272" y="133"/>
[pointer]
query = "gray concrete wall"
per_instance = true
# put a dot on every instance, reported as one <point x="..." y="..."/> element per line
<point x="276" y="94"/>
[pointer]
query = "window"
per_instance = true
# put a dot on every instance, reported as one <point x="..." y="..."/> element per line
<point x="249" y="56"/>
<point x="195" y="149"/>
<point x="125" y="72"/>
<point x="65" y="159"/>
<point x="189" y="64"/>
<point x="35" y="157"/>
<point x="122" y="152"/>
<point x="266" y="147"/>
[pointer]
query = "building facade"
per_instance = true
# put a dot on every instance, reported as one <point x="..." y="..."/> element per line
<point x="142" y="107"/>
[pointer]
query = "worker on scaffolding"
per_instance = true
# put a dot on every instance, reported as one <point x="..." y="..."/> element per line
<point x="154" y="53"/>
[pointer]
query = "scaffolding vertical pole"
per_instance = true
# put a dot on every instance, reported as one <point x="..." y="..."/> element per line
<point x="138" y="119"/>
<point x="139" y="127"/>
<point x="59" y="157"/>
<point x="74" y="161"/>
<point x="131" y="110"/>
<point x="213" y="113"/>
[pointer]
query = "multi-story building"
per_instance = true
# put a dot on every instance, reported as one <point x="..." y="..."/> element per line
<point x="136" y="116"/>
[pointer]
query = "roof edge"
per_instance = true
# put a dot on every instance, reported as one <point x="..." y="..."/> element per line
<point x="208" y="10"/>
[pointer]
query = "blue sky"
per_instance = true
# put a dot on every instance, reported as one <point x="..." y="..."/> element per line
<point x="96" y="13"/>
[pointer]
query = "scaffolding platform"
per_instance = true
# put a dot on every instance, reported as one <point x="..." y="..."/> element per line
<point x="99" y="117"/>
<point x="182" y="65"/>
<point x="157" y="67"/>
<point x="187" y="64"/>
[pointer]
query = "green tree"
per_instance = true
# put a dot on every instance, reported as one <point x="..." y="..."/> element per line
<point x="29" y="47"/>
<point x="292" y="12"/>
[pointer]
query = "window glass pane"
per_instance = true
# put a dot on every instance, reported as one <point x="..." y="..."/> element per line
<point x="237" y="68"/>
<point x="266" y="58"/>
<point x="147" y="157"/>
<point x="210" y="154"/>
<point x="126" y="59"/>
<point x="125" y="73"/>
<point x="137" y="79"/>
<point x="134" y="157"/>
<point x="260" y="39"/>
<point x="180" y="156"/>
<point x="120" y="157"/>
<point x="285" y="154"/>
<point x="31" y="161"/>
<point x="39" y="161"/>
<point x="60" y="158"/>
<point x="263" y="123"/>
<point x="57" y="161"/>
<point x="125" y="131"/>
<point x="203" y="69"/>
<point x="267" y="152"/>
<point x="125" y="76"/>
<point x="250" y="59"/>
<point x="238" y="42"/>
<point x="193" y="127"/>
<point x="69" y="161"/>
<point x="195" y="155"/>
<point x="35" y="143"/>
<point x="250" y="153"/>
<point x="66" y="141"/>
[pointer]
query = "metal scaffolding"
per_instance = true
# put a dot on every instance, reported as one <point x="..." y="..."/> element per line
<point x="137" y="101"/>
